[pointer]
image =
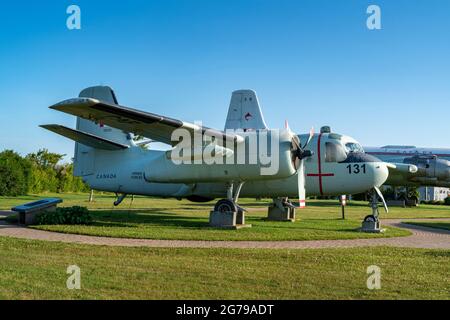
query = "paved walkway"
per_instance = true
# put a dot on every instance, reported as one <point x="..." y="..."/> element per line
<point x="422" y="237"/>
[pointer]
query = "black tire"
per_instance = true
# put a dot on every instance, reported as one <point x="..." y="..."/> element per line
<point x="225" y="205"/>
<point x="370" y="218"/>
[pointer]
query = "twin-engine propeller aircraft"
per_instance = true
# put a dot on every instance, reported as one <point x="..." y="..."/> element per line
<point x="257" y="161"/>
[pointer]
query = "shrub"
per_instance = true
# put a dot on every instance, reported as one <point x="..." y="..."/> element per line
<point x="69" y="216"/>
<point x="447" y="201"/>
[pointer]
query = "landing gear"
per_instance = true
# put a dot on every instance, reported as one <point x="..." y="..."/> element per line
<point x="227" y="213"/>
<point x="281" y="210"/>
<point x="371" y="222"/>
<point x="119" y="199"/>
<point x="225" y="205"/>
<point x="374" y="206"/>
<point x="370" y="218"/>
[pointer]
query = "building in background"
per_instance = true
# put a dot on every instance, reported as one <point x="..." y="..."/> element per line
<point x="433" y="193"/>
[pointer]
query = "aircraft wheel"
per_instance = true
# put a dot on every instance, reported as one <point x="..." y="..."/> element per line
<point x="225" y="205"/>
<point x="370" y="218"/>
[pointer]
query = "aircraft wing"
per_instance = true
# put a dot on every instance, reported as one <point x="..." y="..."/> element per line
<point x="85" y="138"/>
<point x="143" y="123"/>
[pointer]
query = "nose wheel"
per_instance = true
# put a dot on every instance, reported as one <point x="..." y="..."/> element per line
<point x="371" y="218"/>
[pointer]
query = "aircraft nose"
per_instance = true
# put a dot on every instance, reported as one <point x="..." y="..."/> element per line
<point x="380" y="174"/>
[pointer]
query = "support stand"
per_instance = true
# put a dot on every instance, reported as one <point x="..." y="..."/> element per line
<point x="228" y="220"/>
<point x="281" y="210"/>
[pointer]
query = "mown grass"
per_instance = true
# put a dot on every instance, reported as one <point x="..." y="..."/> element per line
<point x="151" y="218"/>
<point x="355" y="210"/>
<point x="37" y="270"/>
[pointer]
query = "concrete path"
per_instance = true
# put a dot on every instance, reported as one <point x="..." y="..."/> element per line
<point x="422" y="238"/>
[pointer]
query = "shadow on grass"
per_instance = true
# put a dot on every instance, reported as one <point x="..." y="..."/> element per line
<point x="438" y="254"/>
<point x="151" y="217"/>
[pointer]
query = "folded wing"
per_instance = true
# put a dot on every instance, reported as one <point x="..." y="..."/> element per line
<point x="150" y="125"/>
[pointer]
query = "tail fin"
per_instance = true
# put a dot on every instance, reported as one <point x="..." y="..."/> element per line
<point x="245" y="112"/>
<point x="84" y="162"/>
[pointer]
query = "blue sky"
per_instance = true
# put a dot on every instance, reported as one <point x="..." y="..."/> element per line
<point x="312" y="62"/>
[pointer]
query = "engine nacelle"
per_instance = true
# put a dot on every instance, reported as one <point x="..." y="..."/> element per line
<point x="263" y="155"/>
<point x="431" y="169"/>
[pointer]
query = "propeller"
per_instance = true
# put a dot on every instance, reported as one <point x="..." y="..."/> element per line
<point x="378" y="191"/>
<point x="299" y="154"/>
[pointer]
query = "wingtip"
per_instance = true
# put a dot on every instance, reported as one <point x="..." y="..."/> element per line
<point x="74" y="102"/>
<point x="48" y="126"/>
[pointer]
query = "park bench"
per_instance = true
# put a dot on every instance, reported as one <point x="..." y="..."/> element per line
<point x="27" y="212"/>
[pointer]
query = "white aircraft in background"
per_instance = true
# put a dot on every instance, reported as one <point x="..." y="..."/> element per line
<point x="107" y="158"/>
<point x="433" y="165"/>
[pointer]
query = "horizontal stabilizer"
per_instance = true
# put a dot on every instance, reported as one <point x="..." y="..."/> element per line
<point x="87" y="139"/>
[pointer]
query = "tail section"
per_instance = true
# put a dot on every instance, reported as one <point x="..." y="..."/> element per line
<point x="84" y="162"/>
<point x="245" y="112"/>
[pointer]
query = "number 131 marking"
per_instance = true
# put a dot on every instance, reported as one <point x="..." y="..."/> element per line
<point x="356" y="169"/>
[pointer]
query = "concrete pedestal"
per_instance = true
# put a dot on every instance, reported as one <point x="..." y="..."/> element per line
<point x="276" y="213"/>
<point x="228" y="220"/>
<point x="371" y="227"/>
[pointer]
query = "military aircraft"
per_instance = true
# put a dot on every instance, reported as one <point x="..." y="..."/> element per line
<point x="107" y="158"/>
<point x="433" y="165"/>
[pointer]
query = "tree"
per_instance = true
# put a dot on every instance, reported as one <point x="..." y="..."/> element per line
<point x="14" y="174"/>
<point x="46" y="159"/>
<point x="44" y="173"/>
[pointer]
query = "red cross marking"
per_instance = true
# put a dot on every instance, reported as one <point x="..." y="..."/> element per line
<point x="320" y="174"/>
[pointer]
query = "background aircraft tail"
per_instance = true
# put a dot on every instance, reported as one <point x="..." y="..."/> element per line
<point x="84" y="161"/>
<point x="245" y="112"/>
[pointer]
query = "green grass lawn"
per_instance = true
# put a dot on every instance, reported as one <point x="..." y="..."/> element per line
<point x="151" y="218"/>
<point x="37" y="270"/>
<point x="437" y="225"/>
<point x="315" y="210"/>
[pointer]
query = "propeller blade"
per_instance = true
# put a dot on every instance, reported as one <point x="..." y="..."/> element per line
<point x="286" y="125"/>
<point x="311" y="135"/>
<point x="296" y="141"/>
<point x="382" y="199"/>
<point x="301" y="185"/>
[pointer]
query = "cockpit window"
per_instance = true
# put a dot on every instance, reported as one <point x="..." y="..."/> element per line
<point x="334" y="152"/>
<point x="353" y="147"/>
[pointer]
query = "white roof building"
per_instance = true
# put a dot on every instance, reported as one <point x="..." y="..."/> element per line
<point x="433" y="193"/>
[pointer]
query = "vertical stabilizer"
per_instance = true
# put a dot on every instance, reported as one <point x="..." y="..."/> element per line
<point x="84" y="161"/>
<point x="245" y="112"/>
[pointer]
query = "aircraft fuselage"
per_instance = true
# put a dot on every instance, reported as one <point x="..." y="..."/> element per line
<point x="123" y="172"/>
